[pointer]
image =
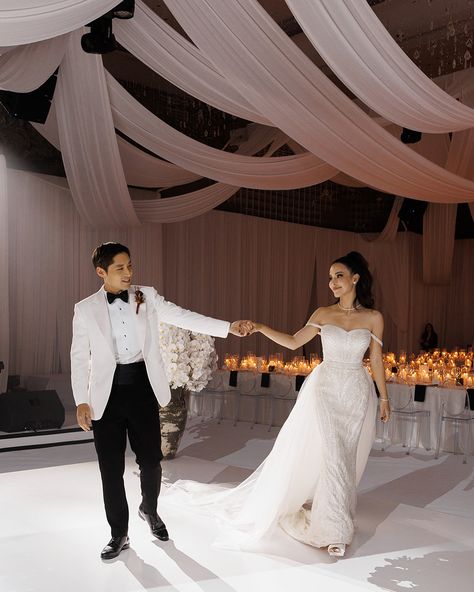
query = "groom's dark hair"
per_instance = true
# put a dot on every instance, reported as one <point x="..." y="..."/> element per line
<point x="104" y="254"/>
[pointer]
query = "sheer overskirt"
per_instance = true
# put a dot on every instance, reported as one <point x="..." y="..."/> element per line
<point x="307" y="484"/>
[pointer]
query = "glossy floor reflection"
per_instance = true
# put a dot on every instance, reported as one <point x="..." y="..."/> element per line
<point x="415" y="525"/>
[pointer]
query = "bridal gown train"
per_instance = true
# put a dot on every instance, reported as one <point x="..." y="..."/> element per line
<point x="307" y="484"/>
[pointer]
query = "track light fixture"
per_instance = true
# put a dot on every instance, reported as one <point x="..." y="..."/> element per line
<point x="101" y="38"/>
<point x="409" y="136"/>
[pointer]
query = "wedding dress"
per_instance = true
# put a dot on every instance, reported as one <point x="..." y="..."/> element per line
<point x="307" y="484"/>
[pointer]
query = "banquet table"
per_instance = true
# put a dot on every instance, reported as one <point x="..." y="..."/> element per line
<point x="286" y="387"/>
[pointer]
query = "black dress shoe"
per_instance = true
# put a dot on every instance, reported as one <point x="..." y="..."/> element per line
<point x="156" y="524"/>
<point x="114" y="546"/>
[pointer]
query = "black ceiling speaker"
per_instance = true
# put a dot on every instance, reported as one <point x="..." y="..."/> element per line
<point x="31" y="106"/>
<point x="101" y="38"/>
<point x="124" y="10"/>
<point x="409" y="136"/>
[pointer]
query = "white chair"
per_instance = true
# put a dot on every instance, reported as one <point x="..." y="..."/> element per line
<point x="411" y="414"/>
<point x="284" y="393"/>
<point x="462" y="419"/>
<point x="255" y="394"/>
<point x="217" y="392"/>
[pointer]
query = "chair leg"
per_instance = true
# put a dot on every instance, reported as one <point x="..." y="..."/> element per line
<point x="427" y="420"/>
<point x="456" y="437"/>
<point x="203" y="417"/>
<point x="413" y="425"/>
<point x="235" y="408"/>
<point x="221" y="401"/>
<point x="255" y="412"/>
<point x="272" y="406"/>
<point x="438" y="438"/>
<point x="469" y="440"/>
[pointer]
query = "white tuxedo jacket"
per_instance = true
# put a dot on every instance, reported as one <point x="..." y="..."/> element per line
<point x="92" y="352"/>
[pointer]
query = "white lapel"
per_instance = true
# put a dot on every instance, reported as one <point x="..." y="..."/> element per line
<point x="101" y="315"/>
<point x="140" y="317"/>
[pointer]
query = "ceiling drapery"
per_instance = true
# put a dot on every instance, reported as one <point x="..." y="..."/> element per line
<point x="25" y="68"/>
<point x="254" y="53"/>
<point x="169" y="54"/>
<point x="242" y="63"/>
<point x="27" y="21"/>
<point x="358" y="48"/>
<point x="88" y="140"/>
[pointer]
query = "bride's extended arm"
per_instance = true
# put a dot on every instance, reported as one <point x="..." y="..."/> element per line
<point x="378" y="371"/>
<point x="290" y="341"/>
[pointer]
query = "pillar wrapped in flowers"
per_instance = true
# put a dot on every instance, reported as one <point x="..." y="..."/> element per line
<point x="190" y="359"/>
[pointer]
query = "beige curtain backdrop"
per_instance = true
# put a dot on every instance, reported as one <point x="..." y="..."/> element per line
<point x="225" y="265"/>
<point x="50" y="269"/>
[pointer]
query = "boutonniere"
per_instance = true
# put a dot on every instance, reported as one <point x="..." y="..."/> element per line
<point x="139" y="298"/>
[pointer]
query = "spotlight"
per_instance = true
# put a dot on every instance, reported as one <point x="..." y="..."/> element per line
<point x="31" y="106"/>
<point x="124" y="10"/>
<point x="409" y="136"/>
<point x="101" y="39"/>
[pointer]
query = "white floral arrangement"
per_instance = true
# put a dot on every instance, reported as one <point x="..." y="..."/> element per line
<point x="190" y="359"/>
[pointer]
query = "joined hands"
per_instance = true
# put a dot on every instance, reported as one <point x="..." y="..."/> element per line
<point x="243" y="328"/>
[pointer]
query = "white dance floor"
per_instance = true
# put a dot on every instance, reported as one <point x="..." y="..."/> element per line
<point x="415" y="525"/>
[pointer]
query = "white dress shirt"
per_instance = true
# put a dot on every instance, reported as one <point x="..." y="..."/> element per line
<point x="124" y="335"/>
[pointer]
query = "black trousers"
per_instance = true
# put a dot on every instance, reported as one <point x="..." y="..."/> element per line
<point x="132" y="410"/>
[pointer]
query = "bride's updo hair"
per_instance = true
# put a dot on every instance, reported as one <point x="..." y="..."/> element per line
<point x="356" y="263"/>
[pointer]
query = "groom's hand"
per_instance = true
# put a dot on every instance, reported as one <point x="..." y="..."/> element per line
<point x="83" y="414"/>
<point x="242" y="328"/>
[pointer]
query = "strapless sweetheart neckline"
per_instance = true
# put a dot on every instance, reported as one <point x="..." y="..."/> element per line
<point x="345" y="330"/>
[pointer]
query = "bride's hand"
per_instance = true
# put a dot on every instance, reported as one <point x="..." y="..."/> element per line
<point x="242" y="328"/>
<point x="384" y="410"/>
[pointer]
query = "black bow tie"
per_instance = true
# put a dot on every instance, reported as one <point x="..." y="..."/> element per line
<point x="122" y="295"/>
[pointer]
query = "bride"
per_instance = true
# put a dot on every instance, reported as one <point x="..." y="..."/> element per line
<point x="307" y="484"/>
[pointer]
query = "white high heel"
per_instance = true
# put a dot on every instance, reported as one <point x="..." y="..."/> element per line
<point x="337" y="549"/>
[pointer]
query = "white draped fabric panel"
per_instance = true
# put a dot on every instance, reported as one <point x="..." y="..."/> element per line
<point x="144" y="170"/>
<point x="195" y="203"/>
<point x="169" y="54"/>
<point x="28" y="66"/>
<point x="5" y="300"/>
<point x="88" y="140"/>
<point x="358" y="48"/>
<point x="140" y="168"/>
<point x="283" y="172"/>
<point x="183" y="207"/>
<point x="439" y="225"/>
<point x="224" y="264"/>
<point x="26" y="21"/>
<point x="439" y="222"/>
<point x="247" y="46"/>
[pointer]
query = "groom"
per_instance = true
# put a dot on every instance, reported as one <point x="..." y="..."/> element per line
<point x="118" y="380"/>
